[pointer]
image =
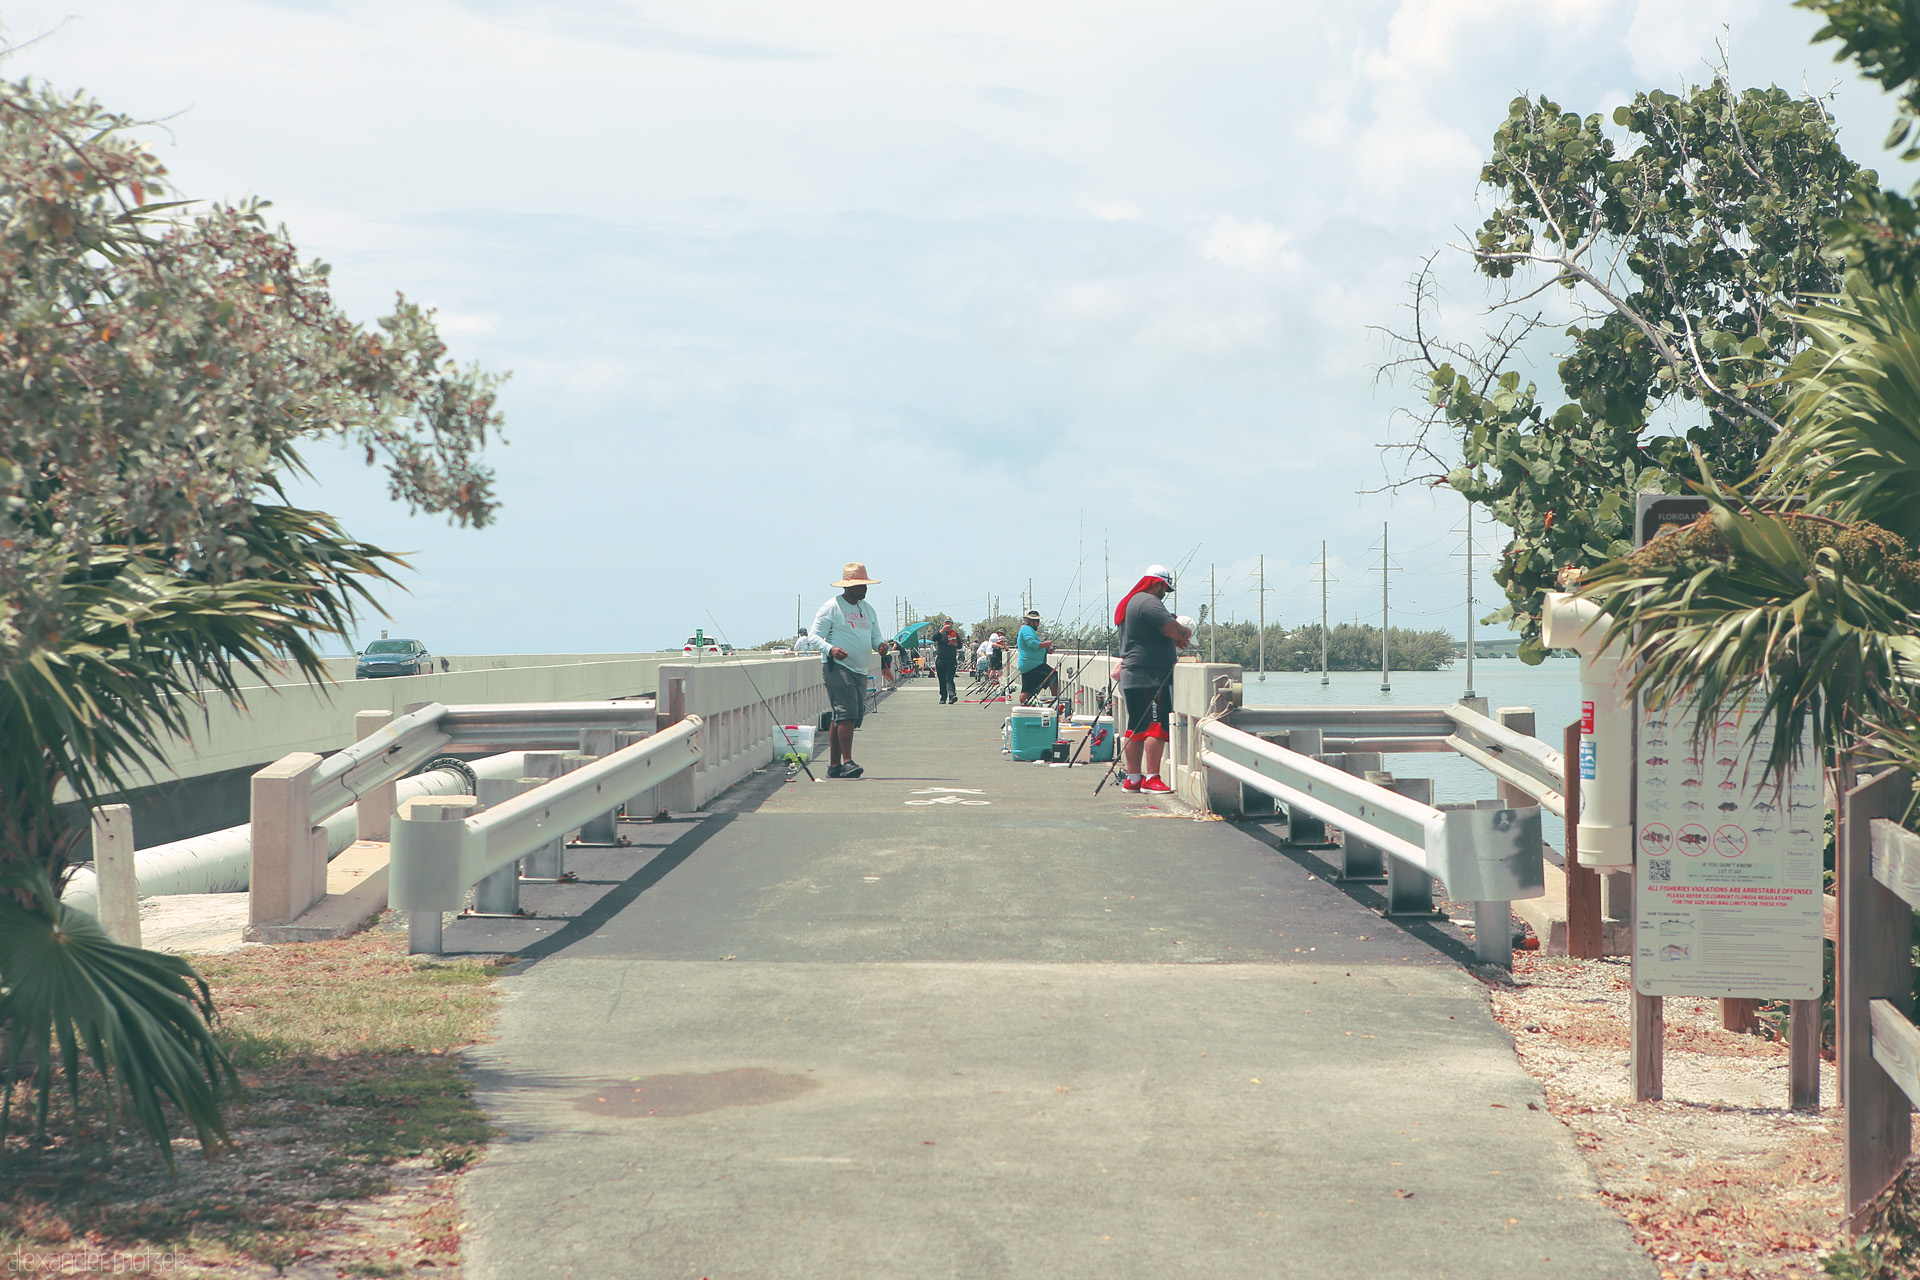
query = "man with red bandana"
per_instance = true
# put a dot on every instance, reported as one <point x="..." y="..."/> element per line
<point x="1150" y="642"/>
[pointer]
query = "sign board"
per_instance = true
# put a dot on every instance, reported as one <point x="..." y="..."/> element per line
<point x="1727" y="876"/>
<point x="1654" y="513"/>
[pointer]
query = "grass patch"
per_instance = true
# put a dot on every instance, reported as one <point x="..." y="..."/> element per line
<point x="347" y="1051"/>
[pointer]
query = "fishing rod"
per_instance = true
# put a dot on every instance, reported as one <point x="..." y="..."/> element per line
<point x="747" y="669"/>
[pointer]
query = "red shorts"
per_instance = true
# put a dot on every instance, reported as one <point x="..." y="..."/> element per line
<point x="1147" y="712"/>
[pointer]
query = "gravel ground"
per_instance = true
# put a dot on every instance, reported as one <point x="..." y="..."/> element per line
<point x="1718" y="1180"/>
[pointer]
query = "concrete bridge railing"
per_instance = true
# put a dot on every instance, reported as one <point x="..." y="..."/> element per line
<point x="739" y="705"/>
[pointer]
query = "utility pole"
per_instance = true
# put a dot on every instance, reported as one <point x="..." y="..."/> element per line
<point x="799" y="613"/>
<point x="1263" y="616"/>
<point x="1323" y="612"/>
<point x="1106" y="591"/>
<point x="1386" y="681"/>
<point x="1213" y="619"/>
<point x="1469" y="692"/>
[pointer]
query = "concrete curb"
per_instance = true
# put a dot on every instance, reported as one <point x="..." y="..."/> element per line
<point x="338" y="915"/>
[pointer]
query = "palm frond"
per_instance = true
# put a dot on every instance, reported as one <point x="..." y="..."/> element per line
<point x="1851" y="448"/>
<point x="139" y="1017"/>
<point x="1806" y="619"/>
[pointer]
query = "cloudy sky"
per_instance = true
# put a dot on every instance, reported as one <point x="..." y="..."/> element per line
<point x="970" y="293"/>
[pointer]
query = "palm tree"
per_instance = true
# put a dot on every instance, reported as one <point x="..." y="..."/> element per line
<point x="1805" y="597"/>
<point x="145" y="647"/>
<point x="158" y="372"/>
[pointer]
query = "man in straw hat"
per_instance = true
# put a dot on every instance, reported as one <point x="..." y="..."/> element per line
<point x="846" y="630"/>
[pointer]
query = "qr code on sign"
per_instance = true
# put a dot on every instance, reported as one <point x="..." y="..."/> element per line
<point x="1659" y="870"/>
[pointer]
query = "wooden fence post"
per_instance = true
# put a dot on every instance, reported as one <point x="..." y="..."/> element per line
<point x="1875" y="939"/>
<point x="1584" y="938"/>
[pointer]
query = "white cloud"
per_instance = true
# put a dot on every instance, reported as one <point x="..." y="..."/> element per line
<point x="1248" y="242"/>
<point x="977" y="259"/>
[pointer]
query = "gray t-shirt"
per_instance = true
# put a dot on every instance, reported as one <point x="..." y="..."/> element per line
<point x="1147" y="652"/>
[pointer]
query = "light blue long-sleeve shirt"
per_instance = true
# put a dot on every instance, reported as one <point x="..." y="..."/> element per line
<point x="853" y="627"/>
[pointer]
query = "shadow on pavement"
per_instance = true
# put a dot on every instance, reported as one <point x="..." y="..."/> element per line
<point x="610" y="904"/>
<point x="1442" y="937"/>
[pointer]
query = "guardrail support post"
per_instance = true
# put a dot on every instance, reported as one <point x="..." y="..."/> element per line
<point x="498" y="893"/>
<point x="680" y="792"/>
<point x="282" y="880"/>
<point x="1358" y="859"/>
<point x="425" y="934"/>
<point x="604" y="829"/>
<point x="1303" y="828"/>
<point x="113" y="866"/>
<point x="1409" y="889"/>
<point x="549" y="861"/>
<point x="1493" y="933"/>
<point x="373" y="811"/>
<point x="646" y="805"/>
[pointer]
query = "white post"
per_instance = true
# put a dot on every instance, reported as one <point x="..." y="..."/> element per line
<point x="424" y="928"/>
<point x="1323" y="612"/>
<point x="1386" y="680"/>
<point x="373" y="812"/>
<point x="113" y="866"/>
<point x="281" y="877"/>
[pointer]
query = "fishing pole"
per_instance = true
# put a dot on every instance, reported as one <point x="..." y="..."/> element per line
<point x="747" y="669"/>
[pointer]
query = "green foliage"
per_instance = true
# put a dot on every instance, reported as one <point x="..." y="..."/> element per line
<point x="159" y="373"/>
<point x="1684" y="236"/>
<point x="1852" y="444"/>
<point x="1882" y="37"/>
<point x="1805" y="615"/>
<point x="1357" y="648"/>
<point x="138" y="1016"/>
<point x="1889" y="1249"/>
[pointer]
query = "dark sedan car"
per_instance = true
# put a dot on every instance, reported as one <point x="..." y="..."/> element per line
<point x="393" y="658"/>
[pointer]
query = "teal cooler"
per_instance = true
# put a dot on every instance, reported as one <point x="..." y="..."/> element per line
<point x="1100" y="736"/>
<point x="1033" y="731"/>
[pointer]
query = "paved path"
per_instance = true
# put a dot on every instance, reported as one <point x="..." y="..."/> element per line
<point x="837" y="1031"/>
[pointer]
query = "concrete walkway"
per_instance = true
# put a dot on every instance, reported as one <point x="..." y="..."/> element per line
<point x="961" y="1018"/>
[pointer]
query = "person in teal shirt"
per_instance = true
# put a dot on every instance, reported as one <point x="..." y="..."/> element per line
<point x="1035" y="674"/>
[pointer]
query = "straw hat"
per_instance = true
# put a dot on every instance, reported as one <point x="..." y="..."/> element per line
<point x="854" y="574"/>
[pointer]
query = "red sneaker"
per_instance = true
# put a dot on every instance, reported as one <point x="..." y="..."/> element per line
<point x="1156" y="786"/>
<point x="1128" y="784"/>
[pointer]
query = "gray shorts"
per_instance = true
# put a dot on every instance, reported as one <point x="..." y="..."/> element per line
<point x="846" y="694"/>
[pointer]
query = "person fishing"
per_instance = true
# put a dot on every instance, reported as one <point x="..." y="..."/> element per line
<point x="1150" y="642"/>
<point x="946" y="659"/>
<point x="844" y="630"/>
<point x="1036" y="674"/>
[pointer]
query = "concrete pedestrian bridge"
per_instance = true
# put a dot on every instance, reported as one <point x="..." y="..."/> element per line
<point x="962" y="1017"/>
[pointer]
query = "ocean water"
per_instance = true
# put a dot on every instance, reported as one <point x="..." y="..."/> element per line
<point x="1552" y="689"/>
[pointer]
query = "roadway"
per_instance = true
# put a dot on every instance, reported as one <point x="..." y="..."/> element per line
<point x="962" y="1018"/>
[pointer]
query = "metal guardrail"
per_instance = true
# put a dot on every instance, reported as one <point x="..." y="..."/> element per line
<point x="1513" y="757"/>
<point x="1489" y="856"/>
<point x="403" y="745"/>
<point x="435" y="860"/>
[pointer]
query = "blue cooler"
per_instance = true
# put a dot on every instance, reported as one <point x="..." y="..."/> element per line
<point x="1033" y="731"/>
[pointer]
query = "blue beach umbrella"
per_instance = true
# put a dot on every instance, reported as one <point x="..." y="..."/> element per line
<point x="912" y="634"/>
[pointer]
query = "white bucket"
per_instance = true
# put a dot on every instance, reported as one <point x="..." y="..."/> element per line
<point x="792" y="737"/>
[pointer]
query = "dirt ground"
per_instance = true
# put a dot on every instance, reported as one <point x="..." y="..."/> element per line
<point x="1718" y="1180"/>
<point x="342" y="1158"/>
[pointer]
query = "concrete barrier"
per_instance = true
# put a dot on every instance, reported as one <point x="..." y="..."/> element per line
<point x="280" y="718"/>
<point x="739" y="704"/>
